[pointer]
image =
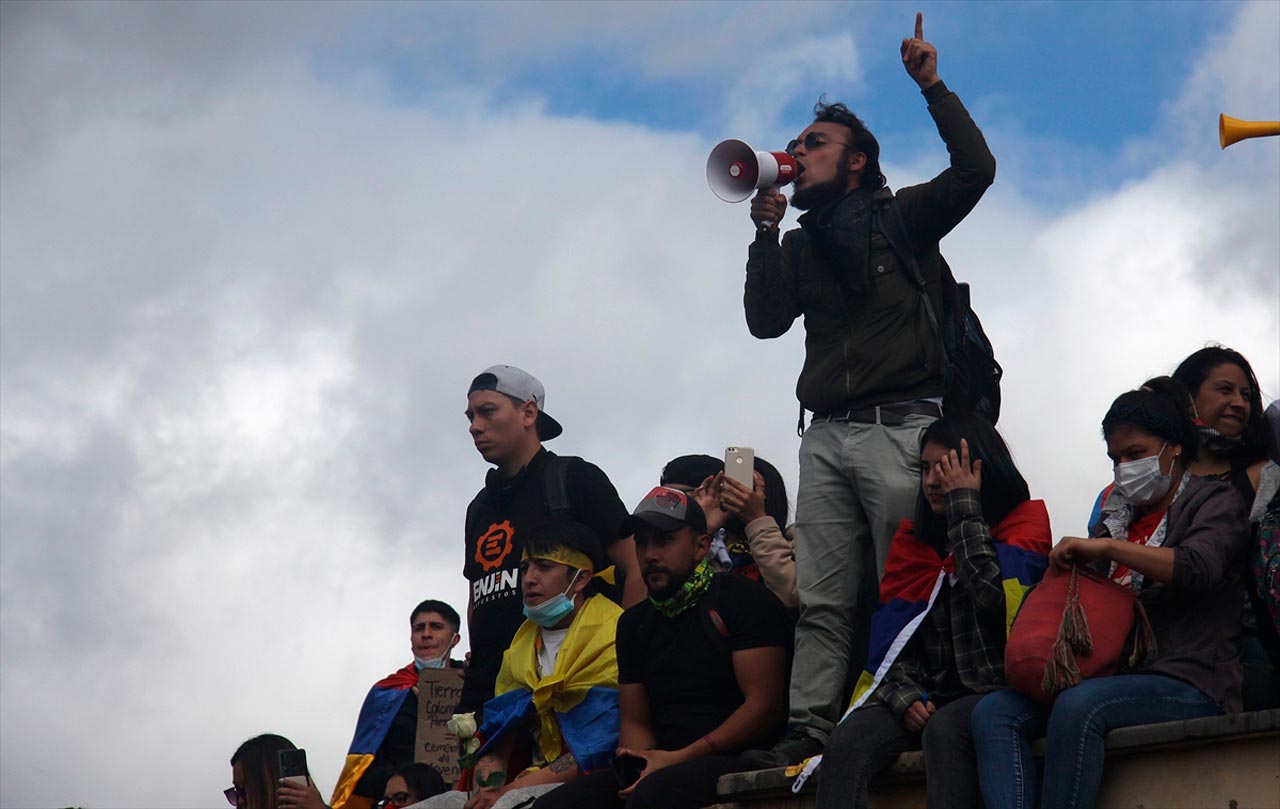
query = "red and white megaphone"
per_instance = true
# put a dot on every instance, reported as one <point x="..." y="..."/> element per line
<point x="735" y="170"/>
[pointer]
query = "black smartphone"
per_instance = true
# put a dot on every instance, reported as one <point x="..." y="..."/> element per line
<point x="293" y="765"/>
<point x="627" y="769"/>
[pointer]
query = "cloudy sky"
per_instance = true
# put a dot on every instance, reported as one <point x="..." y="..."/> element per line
<point x="251" y="255"/>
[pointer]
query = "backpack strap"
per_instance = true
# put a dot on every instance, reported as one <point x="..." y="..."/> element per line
<point x="555" y="487"/>
<point x="918" y="277"/>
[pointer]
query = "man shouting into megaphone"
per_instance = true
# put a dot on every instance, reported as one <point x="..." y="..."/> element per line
<point x="865" y="271"/>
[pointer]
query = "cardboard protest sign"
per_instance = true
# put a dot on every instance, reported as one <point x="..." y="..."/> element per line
<point x="439" y="691"/>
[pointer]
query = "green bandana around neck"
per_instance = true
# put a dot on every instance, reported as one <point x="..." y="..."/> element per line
<point x="688" y="594"/>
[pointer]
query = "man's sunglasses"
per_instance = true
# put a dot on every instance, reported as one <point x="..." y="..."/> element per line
<point x="813" y="141"/>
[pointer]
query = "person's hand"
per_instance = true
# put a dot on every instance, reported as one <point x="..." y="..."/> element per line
<point x="655" y="760"/>
<point x="708" y="497"/>
<point x="483" y="799"/>
<point x="292" y="795"/>
<point x="956" y="472"/>
<point x="919" y="57"/>
<point x="743" y="503"/>
<point x="917" y="715"/>
<point x="767" y="208"/>
<point x="1077" y="550"/>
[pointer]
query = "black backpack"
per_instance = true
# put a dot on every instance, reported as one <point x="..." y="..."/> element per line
<point x="555" y="493"/>
<point x="973" y="375"/>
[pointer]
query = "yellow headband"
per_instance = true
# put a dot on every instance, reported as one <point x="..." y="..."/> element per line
<point x="573" y="558"/>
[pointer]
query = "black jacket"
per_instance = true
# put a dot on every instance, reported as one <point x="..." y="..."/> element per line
<point x="877" y="345"/>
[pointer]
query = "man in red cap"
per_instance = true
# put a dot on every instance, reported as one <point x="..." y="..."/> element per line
<point x="701" y="670"/>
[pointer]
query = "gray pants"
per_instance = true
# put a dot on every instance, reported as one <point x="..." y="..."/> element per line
<point x="857" y="482"/>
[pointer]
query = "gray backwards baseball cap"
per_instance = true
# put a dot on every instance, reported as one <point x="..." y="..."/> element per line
<point x="667" y="510"/>
<point x="522" y="385"/>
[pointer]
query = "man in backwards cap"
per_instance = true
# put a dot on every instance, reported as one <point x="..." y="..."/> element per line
<point x="557" y="692"/>
<point x="529" y="486"/>
<point x="701" y="669"/>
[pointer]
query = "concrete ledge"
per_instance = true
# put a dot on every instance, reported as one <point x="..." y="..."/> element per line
<point x="1198" y="762"/>
<point x="1211" y="728"/>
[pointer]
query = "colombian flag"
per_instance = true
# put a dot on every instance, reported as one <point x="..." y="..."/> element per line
<point x="380" y="707"/>
<point x="577" y="703"/>
<point x="913" y="576"/>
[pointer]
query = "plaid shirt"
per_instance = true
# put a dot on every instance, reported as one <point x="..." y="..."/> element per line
<point x="959" y="647"/>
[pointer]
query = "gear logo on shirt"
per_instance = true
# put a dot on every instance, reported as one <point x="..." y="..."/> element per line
<point x="494" y="545"/>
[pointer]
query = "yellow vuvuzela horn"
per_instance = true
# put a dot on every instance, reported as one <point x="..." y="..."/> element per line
<point x="1231" y="130"/>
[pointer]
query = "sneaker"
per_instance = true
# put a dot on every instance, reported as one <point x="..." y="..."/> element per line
<point x="794" y="748"/>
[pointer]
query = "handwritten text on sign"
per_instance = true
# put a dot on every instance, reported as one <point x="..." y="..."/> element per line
<point x="438" y="693"/>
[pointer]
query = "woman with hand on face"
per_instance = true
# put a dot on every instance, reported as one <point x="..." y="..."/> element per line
<point x="977" y="537"/>
<point x="1178" y="541"/>
<point x="256" y="781"/>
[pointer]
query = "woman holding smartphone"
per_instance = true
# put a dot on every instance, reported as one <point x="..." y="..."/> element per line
<point x="256" y="781"/>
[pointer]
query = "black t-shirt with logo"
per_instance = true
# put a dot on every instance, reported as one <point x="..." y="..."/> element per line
<point x="509" y="509"/>
<point x="687" y="671"/>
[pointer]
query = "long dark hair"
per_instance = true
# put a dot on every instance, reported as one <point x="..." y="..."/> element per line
<point x="1003" y="487"/>
<point x="775" y="492"/>
<point x="261" y="768"/>
<point x="1192" y="373"/>
<point x="1161" y="407"/>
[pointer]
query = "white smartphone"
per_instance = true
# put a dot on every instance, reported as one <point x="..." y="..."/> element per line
<point x="740" y="464"/>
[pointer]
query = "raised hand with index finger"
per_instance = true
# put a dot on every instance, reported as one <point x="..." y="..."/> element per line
<point x="919" y="57"/>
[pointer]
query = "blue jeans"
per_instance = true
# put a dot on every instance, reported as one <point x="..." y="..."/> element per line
<point x="1004" y="724"/>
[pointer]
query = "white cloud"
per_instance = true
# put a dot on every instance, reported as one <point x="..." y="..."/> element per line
<point x="753" y="105"/>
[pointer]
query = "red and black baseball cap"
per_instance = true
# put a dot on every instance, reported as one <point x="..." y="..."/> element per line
<point x="667" y="510"/>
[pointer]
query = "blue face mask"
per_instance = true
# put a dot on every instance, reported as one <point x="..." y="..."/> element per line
<point x="554" y="609"/>
<point x="421" y="663"/>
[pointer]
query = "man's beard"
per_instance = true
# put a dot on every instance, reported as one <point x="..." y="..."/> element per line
<point x="816" y="196"/>
<point x="675" y="582"/>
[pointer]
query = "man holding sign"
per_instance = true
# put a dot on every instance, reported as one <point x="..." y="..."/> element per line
<point x="386" y="731"/>
<point x="875" y="367"/>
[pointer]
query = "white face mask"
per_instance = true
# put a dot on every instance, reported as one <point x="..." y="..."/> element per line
<point x="1141" y="481"/>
